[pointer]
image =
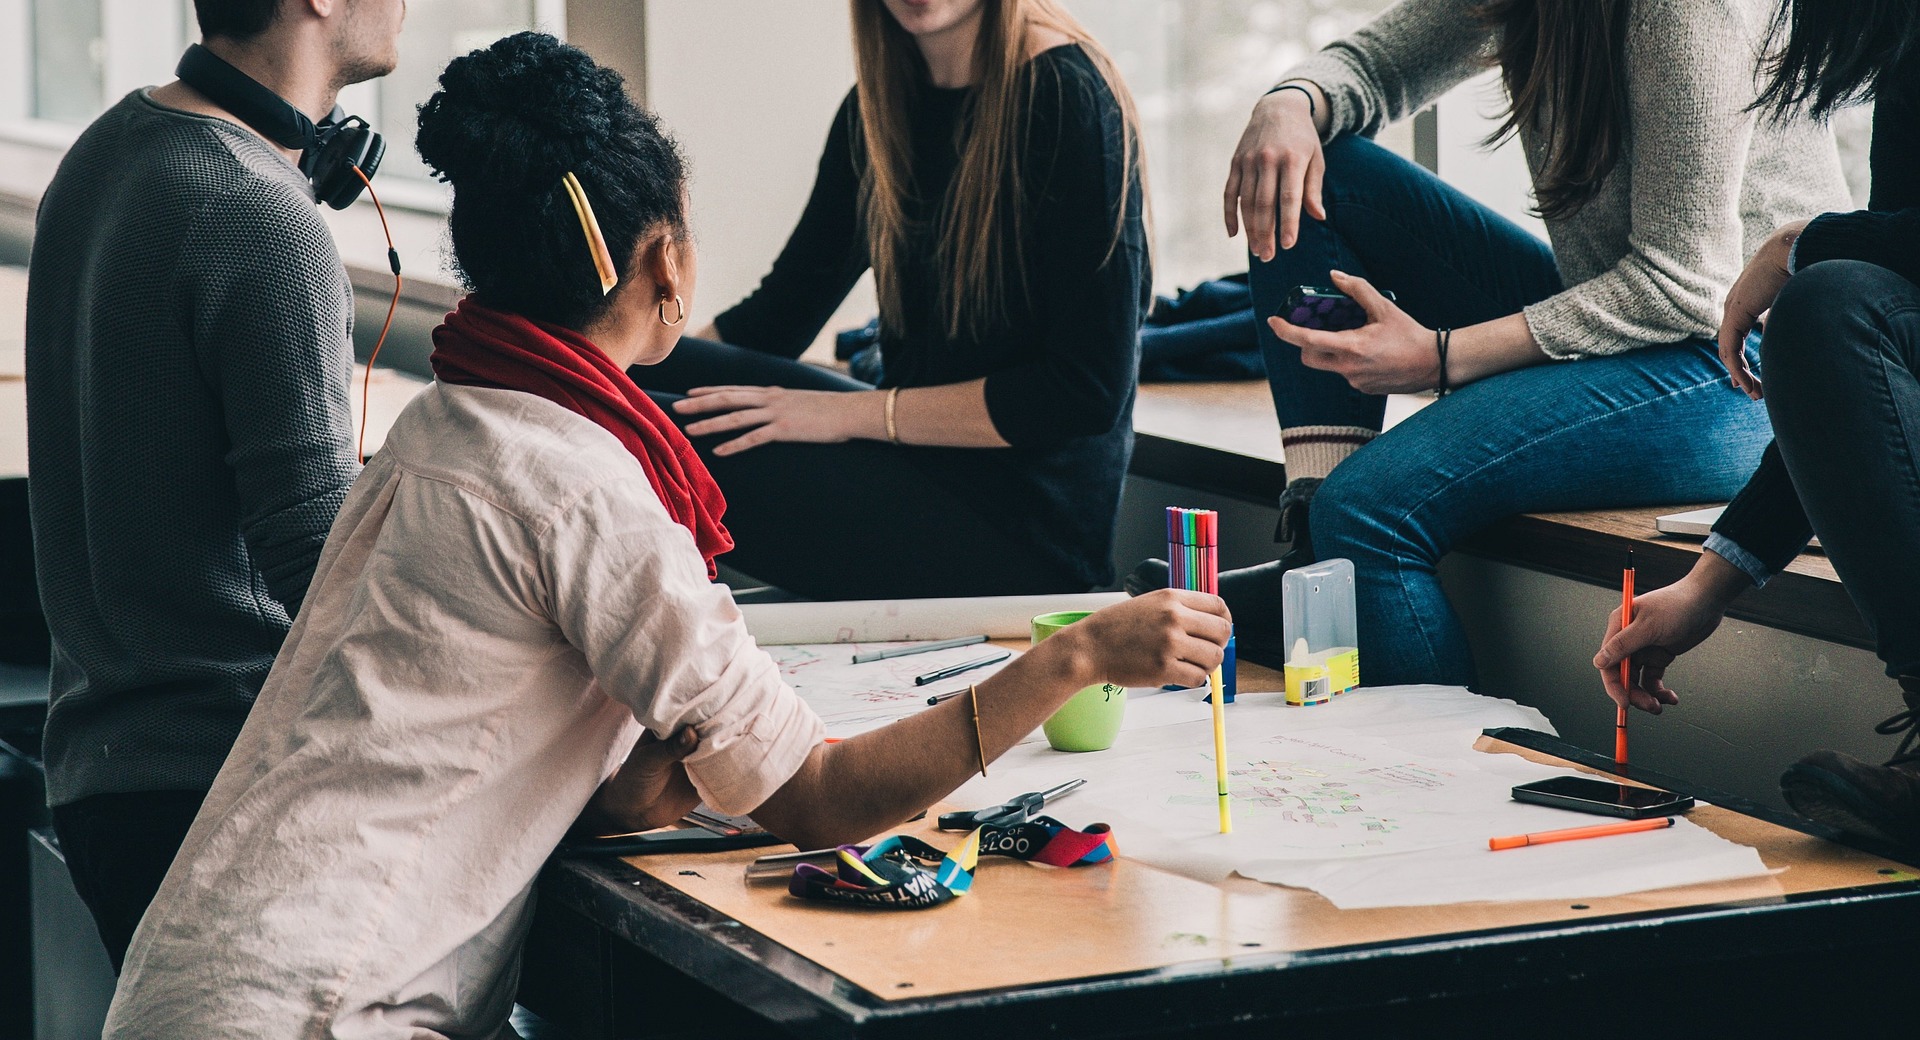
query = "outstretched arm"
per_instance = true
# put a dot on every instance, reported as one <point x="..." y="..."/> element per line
<point x="627" y="588"/>
<point x="852" y="790"/>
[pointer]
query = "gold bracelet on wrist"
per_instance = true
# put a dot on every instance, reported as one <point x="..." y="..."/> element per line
<point x="893" y="432"/>
<point x="979" y="743"/>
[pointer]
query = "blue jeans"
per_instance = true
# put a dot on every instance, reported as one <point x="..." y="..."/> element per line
<point x="1651" y="426"/>
<point x="1842" y="351"/>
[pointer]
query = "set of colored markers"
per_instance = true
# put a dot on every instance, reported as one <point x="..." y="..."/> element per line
<point x="1193" y="551"/>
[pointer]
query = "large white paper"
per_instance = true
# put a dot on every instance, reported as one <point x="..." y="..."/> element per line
<point x="1432" y="718"/>
<point x="854" y="698"/>
<point x="1001" y="617"/>
<point x="1468" y="871"/>
<point x="1376" y="799"/>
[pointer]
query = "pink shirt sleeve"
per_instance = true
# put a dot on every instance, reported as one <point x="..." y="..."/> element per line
<point x="630" y="592"/>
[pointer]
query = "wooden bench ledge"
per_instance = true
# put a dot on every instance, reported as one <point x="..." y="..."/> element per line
<point x="1591" y="546"/>
<point x="1214" y="437"/>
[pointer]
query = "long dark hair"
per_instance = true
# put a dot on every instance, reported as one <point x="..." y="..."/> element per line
<point x="1826" y="54"/>
<point x="979" y="229"/>
<point x="1565" y="59"/>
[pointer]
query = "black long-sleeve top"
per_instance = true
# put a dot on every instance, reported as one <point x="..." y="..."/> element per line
<point x="1060" y="369"/>
<point x="1765" y="527"/>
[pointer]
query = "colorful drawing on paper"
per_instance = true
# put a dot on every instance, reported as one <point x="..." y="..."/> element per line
<point x="1310" y="793"/>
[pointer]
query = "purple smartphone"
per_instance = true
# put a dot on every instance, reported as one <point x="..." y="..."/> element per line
<point x="1313" y="307"/>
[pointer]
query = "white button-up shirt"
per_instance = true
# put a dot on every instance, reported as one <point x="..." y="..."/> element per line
<point x="502" y="605"/>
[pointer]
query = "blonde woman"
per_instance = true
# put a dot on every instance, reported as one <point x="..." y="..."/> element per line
<point x="986" y="168"/>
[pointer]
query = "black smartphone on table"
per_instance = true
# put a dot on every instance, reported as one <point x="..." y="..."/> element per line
<point x="1329" y="310"/>
<point x="1583" y="794"/>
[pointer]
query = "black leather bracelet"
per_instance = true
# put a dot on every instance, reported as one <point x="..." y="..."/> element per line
<point x="1313" y="111"/>
<point x="1442" y="339"/>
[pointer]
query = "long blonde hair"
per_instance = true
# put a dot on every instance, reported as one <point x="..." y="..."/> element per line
<point x="980" y="224"/>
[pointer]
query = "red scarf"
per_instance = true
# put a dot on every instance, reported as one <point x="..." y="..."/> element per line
<point x="479" y="346"/>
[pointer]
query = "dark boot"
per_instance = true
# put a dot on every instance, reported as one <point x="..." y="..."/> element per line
<point x="1880" y="802"/>
<point x="1253" y="593"/>
<point x="1295" y="507"/>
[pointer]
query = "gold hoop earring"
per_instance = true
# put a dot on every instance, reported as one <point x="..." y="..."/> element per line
<point x="679" y="306"/>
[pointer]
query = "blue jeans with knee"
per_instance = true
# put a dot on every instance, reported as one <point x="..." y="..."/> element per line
<point x="1651" y="426"/>
<point x="1842" y="352"/>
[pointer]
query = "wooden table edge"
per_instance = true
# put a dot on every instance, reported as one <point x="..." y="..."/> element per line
<point x="713" y="942"/>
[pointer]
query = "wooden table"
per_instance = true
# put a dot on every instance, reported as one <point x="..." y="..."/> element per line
<point x="683" y="945"/>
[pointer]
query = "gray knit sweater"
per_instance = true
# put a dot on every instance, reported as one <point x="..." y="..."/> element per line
<point x="1649" y="260"/>
<point x="188" y="361"/>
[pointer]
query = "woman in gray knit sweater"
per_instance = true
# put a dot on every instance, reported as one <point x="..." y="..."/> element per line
<point x="1585" y="371"/>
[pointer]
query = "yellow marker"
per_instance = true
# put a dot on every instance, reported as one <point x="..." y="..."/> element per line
<point x="1220" y="749"/>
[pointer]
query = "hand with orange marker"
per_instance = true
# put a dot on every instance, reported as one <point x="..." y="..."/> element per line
<point x="1666" y="623"/>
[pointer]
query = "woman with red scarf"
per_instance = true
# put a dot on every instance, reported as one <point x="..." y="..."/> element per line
<point x="513" y="621"/>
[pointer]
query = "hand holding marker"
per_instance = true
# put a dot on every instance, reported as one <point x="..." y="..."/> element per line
<point x="1193" y="547"/>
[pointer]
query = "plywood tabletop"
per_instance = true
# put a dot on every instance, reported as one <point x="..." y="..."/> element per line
<point x="1025" y="924"/>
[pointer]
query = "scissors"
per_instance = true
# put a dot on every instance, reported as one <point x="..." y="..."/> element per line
<point x="1014" y="810"/>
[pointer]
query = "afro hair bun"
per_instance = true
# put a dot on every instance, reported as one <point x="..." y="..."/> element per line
<point x="518" y="114"/>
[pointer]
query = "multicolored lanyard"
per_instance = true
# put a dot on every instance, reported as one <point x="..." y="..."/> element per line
<point x="906" y="873"/>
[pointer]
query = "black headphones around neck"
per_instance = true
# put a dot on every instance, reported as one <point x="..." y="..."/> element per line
<point x="330" y="151"/>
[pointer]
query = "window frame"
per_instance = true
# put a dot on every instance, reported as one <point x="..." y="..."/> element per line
<point x="20" y="128"/>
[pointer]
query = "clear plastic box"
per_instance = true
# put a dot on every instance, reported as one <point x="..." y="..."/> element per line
<point x="1322" y="636"/>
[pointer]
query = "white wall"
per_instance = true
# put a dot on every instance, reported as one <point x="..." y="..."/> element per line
<point x="749" y="87"/>
<point x="142" y="39"/>
<point x="1498" y="179"/>
<point x="16" y="70"/>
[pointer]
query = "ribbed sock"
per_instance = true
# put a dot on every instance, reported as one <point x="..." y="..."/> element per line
<point x="1313" y="451"/>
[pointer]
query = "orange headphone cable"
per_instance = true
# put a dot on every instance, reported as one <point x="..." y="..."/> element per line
<point x="393" y="261"/>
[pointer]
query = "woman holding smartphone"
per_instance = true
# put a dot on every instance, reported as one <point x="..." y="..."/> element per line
<point x="986" y="167"/>
<point x="516" y="590"/>
<point x="1576" y="374"/>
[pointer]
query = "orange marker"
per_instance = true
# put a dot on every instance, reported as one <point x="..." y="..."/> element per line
<point x="1658" y="823"/>
<point x="1626" y="666"/>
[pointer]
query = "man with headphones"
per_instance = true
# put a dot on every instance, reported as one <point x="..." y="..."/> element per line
<point x="188" y="362"/>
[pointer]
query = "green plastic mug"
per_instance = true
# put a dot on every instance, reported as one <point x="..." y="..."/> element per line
<point x="1090" y="720"/>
